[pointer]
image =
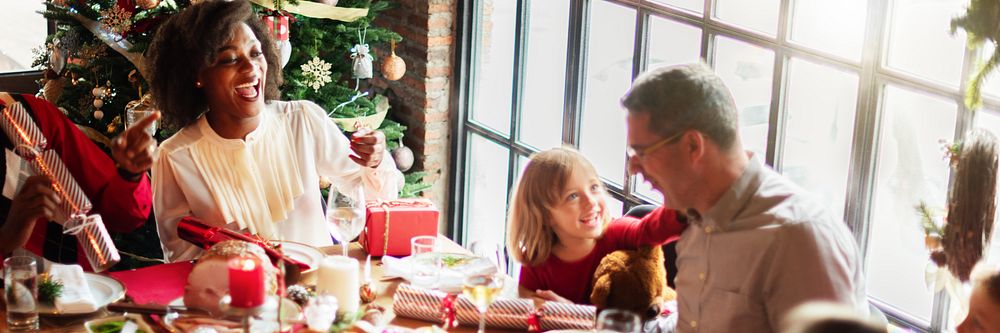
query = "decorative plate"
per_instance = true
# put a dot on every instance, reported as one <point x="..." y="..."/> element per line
<point x="309" y="255"/>
<point x="103" y="288"/>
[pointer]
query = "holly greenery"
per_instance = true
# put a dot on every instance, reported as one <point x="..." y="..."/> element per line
<point x="980" y="22"/>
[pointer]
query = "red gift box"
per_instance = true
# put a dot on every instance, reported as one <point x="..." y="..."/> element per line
<point x="389" y="225"/>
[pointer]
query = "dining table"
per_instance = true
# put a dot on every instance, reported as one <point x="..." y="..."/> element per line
<point x="384" y="287"/>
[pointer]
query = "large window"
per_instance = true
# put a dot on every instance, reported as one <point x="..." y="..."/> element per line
<point x="847" y="98"/>
<point x="23" y="34"/>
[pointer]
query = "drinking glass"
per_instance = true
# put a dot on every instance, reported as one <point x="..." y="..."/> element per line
<point x="133" y="116"/>
<point x="20" y="276"/>
<point x="426" y="265"/>
<point x="614" y="320"/>
<point x="345" y="214"/>
<point x="482" y="290"/>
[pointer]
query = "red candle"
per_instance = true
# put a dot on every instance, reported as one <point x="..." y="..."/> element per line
<point x="246" y="282"/>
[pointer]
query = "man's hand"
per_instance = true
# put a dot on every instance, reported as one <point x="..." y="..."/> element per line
<point x="368" y="147"/>
<point x="551" y="296"/>
<point x="36" y="200"/>
<point x="133" y="150"/>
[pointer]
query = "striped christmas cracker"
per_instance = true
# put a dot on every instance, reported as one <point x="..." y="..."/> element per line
<point x="74" y="201"/>
<point x="97" y="244"/>
<point x="21" y="129"/>
<point x="423" y="304"/>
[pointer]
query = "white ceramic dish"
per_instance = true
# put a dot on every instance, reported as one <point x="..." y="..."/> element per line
<point x="309" y="255"/>
<point x="103" y="288"/>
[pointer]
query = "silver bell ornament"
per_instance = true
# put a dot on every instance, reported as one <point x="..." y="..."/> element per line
<point x="403" y="156"/>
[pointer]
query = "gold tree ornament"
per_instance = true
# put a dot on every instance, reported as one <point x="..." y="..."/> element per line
<point x="147" y="4"/>
<point x="393" y="67"/>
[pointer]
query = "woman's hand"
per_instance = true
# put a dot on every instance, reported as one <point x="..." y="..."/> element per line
<point x="368" y="147"/>
<point x="551" y="296"/>
<point x="133" y="150"/>
<point x="36" y="200"/>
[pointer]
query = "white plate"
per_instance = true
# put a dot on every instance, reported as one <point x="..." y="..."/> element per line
<point x="104" y="289"/>
<point x="309" y="255"/>
<point x="292" y="312"/>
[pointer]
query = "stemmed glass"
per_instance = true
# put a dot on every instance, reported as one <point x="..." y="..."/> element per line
<point x="482" y="290"/>
<point x="345" y="214"/>
<point x="614" y="320"/>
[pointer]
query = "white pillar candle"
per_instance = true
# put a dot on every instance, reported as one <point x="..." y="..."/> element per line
<point x="340" y="276"/>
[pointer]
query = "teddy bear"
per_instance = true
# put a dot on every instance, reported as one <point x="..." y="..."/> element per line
<point x="633" y="280"/>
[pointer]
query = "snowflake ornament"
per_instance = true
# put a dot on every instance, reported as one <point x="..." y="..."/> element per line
<point x="317" y="73"/>
<point x="116" y="19"/>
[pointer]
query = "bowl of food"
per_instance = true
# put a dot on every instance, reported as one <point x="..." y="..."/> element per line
<point x="128" y="323"/>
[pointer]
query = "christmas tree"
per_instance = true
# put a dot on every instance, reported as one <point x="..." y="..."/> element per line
<point x="93" y="67"/>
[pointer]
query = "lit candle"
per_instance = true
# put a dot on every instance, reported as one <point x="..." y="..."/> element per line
<point x="339" y="276"/>
<point x="246" y="282"/>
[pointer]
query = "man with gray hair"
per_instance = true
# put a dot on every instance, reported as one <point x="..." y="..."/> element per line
<point x="758" y="245"/>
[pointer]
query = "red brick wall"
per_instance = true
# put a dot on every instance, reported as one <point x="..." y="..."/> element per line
<point x="420" y="100"/>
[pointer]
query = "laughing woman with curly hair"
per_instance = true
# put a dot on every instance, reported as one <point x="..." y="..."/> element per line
<point x="242" y="159"/>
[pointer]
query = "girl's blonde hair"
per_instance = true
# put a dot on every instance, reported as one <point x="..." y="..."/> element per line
<point x="530" y="236"/>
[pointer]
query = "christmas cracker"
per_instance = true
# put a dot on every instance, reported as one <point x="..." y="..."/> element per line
<point x="72" y="212"/>
<point x="423" y="304"/>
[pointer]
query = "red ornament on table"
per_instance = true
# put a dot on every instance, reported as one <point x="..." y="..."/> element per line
<point x="246" y="282"/>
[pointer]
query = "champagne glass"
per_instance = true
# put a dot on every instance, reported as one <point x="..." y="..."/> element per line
<point x="614" y="320"/>
<point x="482" y="290"/>
<point x="345" y="214"/>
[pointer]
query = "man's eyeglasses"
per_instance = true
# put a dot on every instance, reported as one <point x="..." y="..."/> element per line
<point x="642" y="152"/>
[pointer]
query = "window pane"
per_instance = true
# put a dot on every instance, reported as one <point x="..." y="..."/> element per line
<point x="821" y="106"/>
<point x="609" y="74"/>
<point x="672" y="43"/>
<point x="645" y="189"/>
<point x="910" y="169"/>
<point x="759" y="15"/>
<point x="697" y="6"/>
<point x="747" y="71"/>
<point x="486" y="209"/>
<point x="494" y="76"/>
<point x="920" y="41"/>
<point x="24" y="29"/>
<point x="545" y="74"/>
<point x="836" y="27"/>
<point x="990" y="120"/>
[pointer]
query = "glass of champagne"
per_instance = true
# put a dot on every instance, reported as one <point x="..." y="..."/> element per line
<point x="614" y="320"/>
<point x="482" y="290"/>
<point x="20" y="276"/>
<point x="345" y="214"/>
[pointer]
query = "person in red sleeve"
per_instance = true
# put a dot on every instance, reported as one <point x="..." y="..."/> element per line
<point x="118" y="189"/>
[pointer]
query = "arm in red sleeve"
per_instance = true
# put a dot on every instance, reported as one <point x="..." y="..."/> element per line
<point x="656" y="228"/>
<point x="123" y="205"/>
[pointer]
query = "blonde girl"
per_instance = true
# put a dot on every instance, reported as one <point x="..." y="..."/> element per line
<point x="560" y="228"/>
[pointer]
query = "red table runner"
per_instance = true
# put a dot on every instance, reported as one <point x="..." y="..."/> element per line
<point x="158" y="284"/>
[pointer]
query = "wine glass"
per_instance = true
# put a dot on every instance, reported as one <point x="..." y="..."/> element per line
<point x="345" y="214"/>
<point x="614" y="320"/>
<point x="482" y="290"/>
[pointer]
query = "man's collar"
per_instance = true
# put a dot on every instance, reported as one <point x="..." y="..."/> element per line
<point x="736" y="198"/>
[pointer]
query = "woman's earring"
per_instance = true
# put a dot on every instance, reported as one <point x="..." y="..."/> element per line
<point x="197" y="84"/>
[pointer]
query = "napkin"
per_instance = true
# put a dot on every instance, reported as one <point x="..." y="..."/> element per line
<point x="449" y="279"/>
<point x="76" y="296"/>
